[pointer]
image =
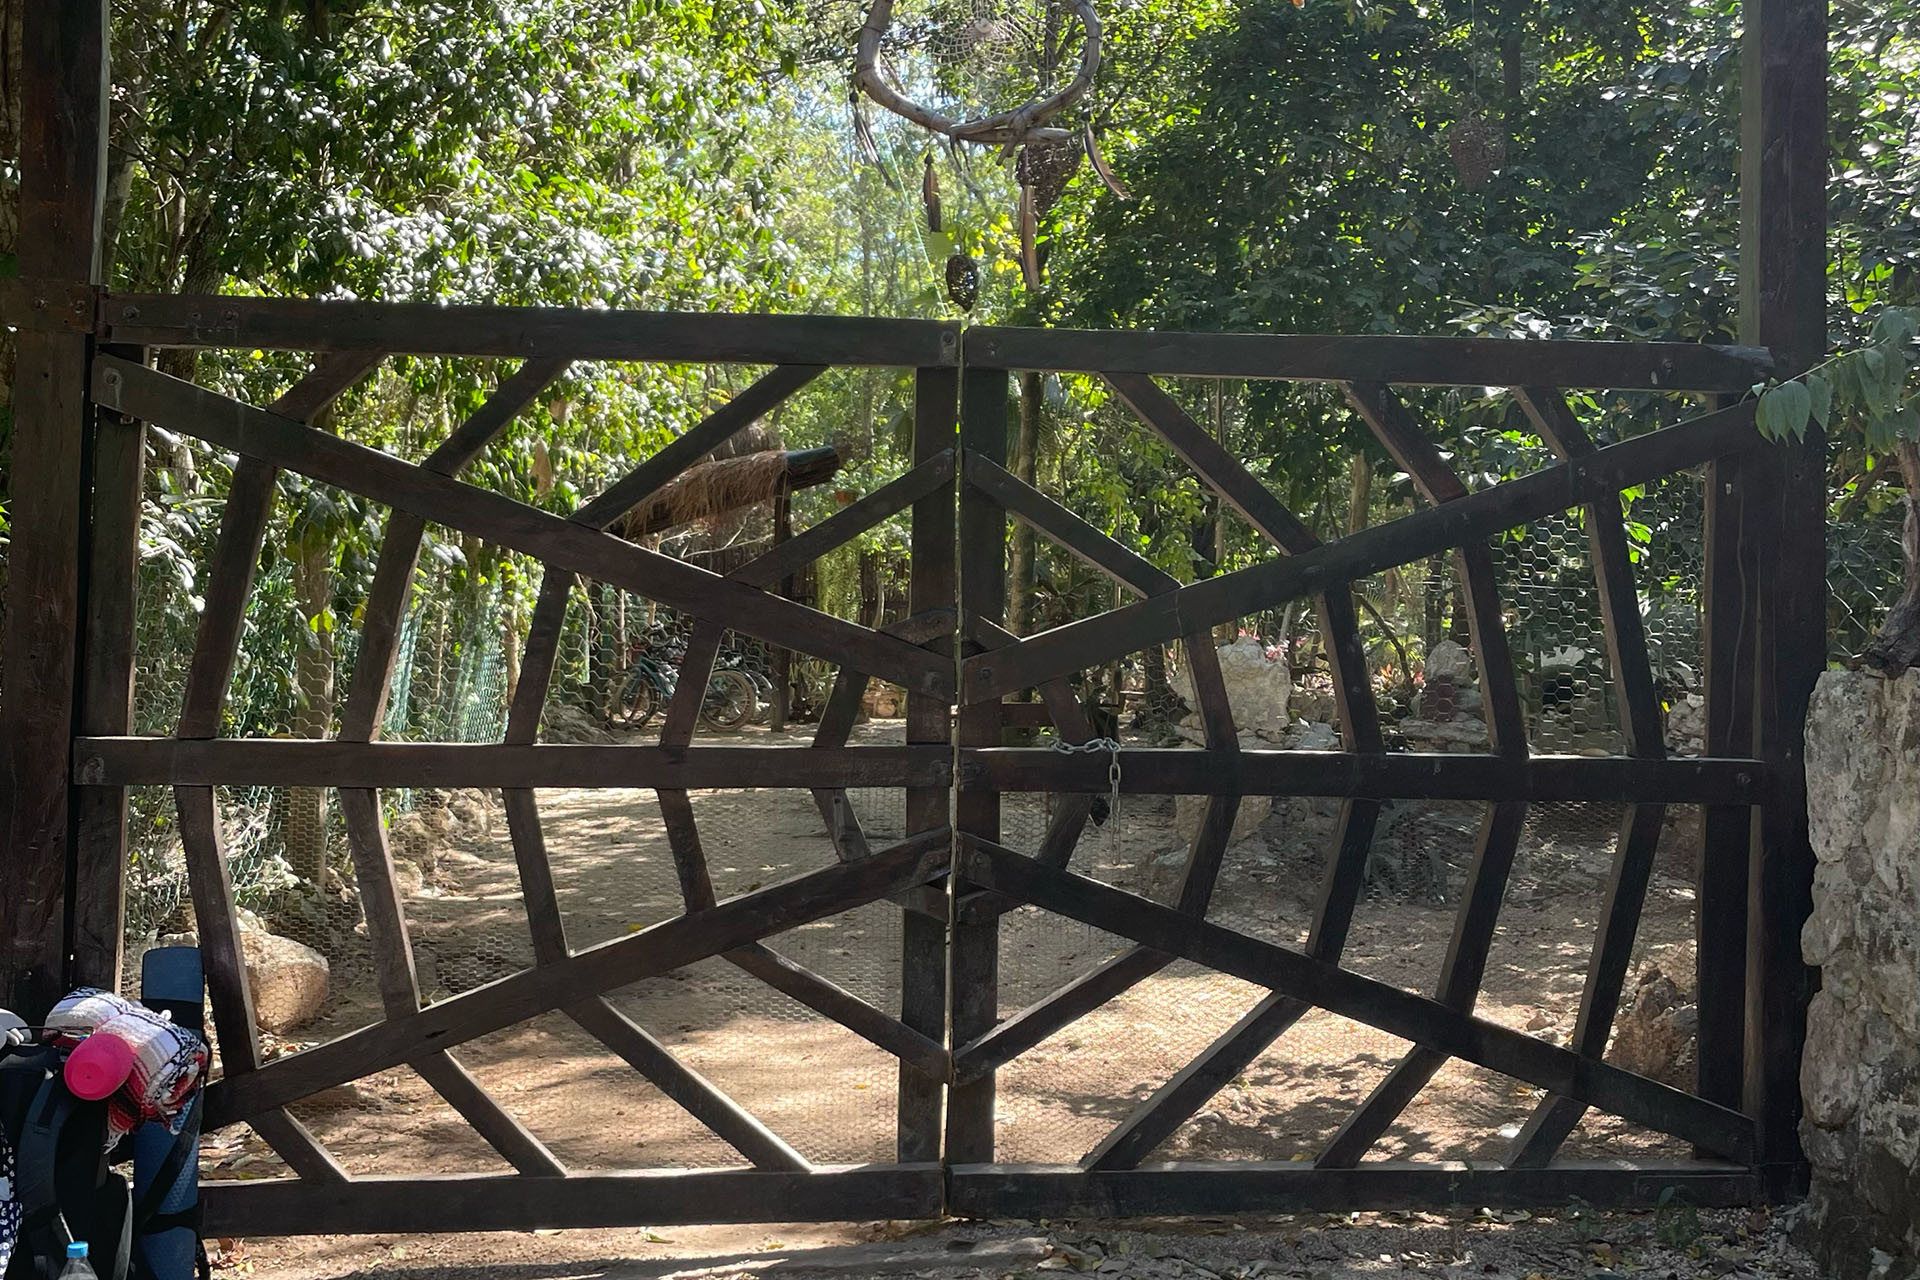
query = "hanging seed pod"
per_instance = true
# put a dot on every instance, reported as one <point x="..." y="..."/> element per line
<point x="930" y="193"/>
<point x="963" y="281"/>
<point x="1478" y="151"/>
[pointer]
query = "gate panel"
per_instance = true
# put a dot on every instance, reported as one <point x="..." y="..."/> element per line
<point x="567" y="978"/>
<point x="1165" y="939"/>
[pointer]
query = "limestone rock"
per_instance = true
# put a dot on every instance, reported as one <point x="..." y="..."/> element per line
<point x="1656" y="1032"/>
<point x="1687" y="725"/>
<point x="412" y="840"/>
<point x="1449" y="660"/>
<point x="566" y="723"/>
<point x="288" y="980"/>
<point x="1259" y="688"/>
<point x="1860" y="1074"/>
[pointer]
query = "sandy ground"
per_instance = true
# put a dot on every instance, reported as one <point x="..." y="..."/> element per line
<point x="1486" y="1246"/>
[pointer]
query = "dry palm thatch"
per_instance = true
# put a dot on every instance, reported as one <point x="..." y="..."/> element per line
<point x="711" y="489"/>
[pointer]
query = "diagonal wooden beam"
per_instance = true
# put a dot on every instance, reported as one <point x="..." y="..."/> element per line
<point x="647" y="479"/>
<point x="1503" y="824"/>
<point x="564" y="545"/>
<point x="1421" y="1019"/>
<point x="1555" y="1118"/>
<point x="567" y="981"/>
<point x="848" y="523"/>
<point x="243" y="526"/>
<point x="1044" y="515"/>
<point x="1422" y="534"/>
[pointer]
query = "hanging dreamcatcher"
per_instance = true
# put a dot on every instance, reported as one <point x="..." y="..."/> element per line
<point x="942" y="64"/>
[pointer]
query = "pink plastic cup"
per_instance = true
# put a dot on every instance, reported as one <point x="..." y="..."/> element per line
<point x="98" y="1066"/>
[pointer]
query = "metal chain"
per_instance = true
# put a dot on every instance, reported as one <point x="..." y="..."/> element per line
<point x="1094" y="746"/>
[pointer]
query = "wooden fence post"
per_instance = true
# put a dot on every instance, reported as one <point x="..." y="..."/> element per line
<point x="62" y="180"/>
<point x="1783" y="277"/>
<point x="931" y="585"/>
<point x="983" y="595"/>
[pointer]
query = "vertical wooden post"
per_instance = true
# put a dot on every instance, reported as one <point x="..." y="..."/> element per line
<point x="1731" y="587"/>
<point x="62" y="181"/>
<point x="98" y="909"/>
<point x="983" y="594"/>
<point x="923" y="943"/>
<point x="1783" y="273"/>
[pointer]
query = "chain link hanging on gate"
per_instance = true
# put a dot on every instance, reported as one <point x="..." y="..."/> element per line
<point x="1094" y="746"/>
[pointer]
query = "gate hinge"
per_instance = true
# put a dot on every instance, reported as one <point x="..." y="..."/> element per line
<point x="49" y="306"/>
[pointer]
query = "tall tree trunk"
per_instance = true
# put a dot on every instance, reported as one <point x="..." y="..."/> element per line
<point x="1359" y="494"/>
<point x="1026" y="446"/>
<point x="305" y="832"/>
<point x="1897" y="647"/>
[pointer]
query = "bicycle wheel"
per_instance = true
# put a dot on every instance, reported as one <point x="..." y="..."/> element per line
<point x="763" y="693"/>
<point x="731" y="700"/>
<point x="639" y="701"/>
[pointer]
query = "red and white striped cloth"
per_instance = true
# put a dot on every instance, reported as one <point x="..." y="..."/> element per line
<point x="168" y="1061"/>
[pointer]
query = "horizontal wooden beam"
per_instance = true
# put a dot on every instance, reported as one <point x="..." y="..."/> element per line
<point x="563" y="983"/>
<point x="1576" y="482"/>
<point x="1388" y="1008"/>
<point x="1252" y="1186"/>
<point x="300" y="762"/>
<point x="1393" y="776"/>
<point x="573" y="333"/>
<point x="1470" y="362"/>
<point x="561" y="544"/>
<point x="642" y="1197"/>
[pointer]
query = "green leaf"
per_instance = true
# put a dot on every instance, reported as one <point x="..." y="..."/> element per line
<point x="1821" y="393"/>
<point x="1783" y="411"/>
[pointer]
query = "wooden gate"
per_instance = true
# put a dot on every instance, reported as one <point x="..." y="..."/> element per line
<point x="955" y="883"/>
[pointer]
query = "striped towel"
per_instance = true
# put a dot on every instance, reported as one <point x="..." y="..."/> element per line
<point x="168" y="1061"/>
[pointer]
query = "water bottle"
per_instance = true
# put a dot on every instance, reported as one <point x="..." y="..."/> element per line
<point x="77" y="1268"/>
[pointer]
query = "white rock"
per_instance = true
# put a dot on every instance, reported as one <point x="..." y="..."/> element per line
<point x="288" y="980"/>
<point x="1449" y="660"/>
<point x="1259" y="688"/>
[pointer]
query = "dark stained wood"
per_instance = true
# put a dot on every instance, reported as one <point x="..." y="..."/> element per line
<point x="410" y="328"/>
<point x="536" y="875"/>
<point x="1478" y="516"/>
<point x="275" y="762"/>
<point x="689" y="857"/>
<point x="1731" y="594"/>
<point x="61" y="159"/>
<point x="932" y="585"/>
<point x="243" y="526"/>
<point x="1378" y="1004"/>
<point x="913" y="1048"/>
<point x="1398" y="775"/>
<point x="1070" y="812"/>
<point x="1626" y="633"/>
<point x="1225" y="474"/>
<point x="508" y="401"/>
<point x="1470" y="362"/>
<point x="1045" y="516"/>
<point x="1259" y="1187"/>
<point x="98" y="907"/>
<point x="1056" y="1011"/>
<point x="742" y="411"/>
<point x="787" y="558"/>
<point x="571" y="979"/>
<point x="564" y="545"/>
<point x="1638" y="842"/>
<point x="1458" y="988"/>
<point x="974" y="956"/>
<point x="1783" y="297"/>
<point x="659" y="1197"/>
<point x="447" y="1077"/>
<point x="697" y="1095"/>
<point x="218" y="925"/>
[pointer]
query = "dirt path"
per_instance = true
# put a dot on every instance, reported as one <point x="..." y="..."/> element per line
<point x="1484" y="1246"/>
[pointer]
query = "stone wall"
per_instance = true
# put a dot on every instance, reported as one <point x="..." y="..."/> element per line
<point x="1861" y="1073"/>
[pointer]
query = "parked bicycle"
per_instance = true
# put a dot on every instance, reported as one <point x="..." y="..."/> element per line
<point x="647" y="680"/>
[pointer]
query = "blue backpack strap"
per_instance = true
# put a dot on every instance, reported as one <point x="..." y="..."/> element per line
<point x="43" y="1228"/>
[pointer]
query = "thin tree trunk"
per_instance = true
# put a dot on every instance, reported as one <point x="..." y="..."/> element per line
<point x="1359" y="494"/>
<point x="305" y="832"/>
<point x="1897" y="647"/>
<point x="1020" y="558"/>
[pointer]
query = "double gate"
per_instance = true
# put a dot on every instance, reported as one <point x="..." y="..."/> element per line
<point x="952" y="876"/>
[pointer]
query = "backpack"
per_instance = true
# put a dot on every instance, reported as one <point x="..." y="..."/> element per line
<point x="61" y="1181"/>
